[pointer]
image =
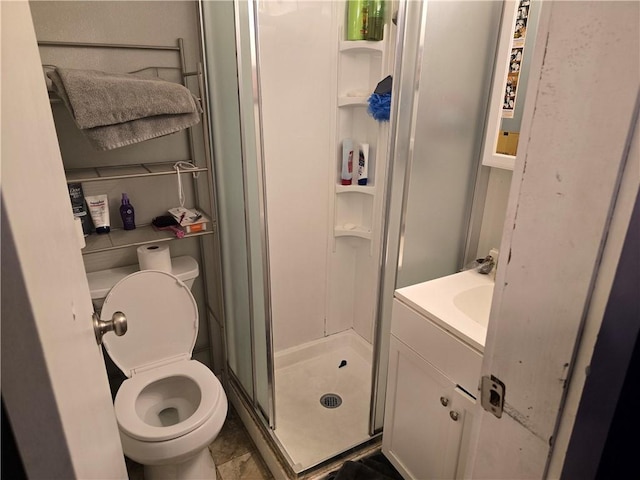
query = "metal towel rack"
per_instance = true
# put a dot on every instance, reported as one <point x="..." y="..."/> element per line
<point x="139" y="170"/>
<point x="178" y="49"/>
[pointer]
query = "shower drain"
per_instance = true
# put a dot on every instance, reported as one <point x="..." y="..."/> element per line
<point x="330" y="400"/>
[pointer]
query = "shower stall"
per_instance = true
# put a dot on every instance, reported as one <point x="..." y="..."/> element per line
<point x="309" y="264"/>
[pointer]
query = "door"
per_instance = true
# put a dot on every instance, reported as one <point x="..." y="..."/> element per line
<point x="562" y="224"/>
<point x="54" y="384"/>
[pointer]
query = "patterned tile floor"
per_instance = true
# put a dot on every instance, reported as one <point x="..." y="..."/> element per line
<point x="233" y="452"/>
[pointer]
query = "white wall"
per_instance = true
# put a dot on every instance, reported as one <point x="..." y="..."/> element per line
<point x="495" y="209"/>
<point x="297" y="47"/>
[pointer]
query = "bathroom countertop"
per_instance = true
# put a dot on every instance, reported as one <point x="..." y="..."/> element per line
<point x="459" y="303"/>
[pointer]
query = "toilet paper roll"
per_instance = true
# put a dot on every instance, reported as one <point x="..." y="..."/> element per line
<point x="154" y="257"/>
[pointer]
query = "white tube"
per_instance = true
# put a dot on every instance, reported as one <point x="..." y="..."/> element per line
<point x="99" y="209"/>
<point x="363" y="164"/>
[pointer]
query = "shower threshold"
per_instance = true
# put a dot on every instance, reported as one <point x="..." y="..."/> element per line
<point x="312" y="430"/>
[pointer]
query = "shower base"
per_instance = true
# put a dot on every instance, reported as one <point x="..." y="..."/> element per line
<point x="308" y="431"/>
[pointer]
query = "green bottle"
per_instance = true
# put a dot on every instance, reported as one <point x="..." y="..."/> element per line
<point x="357" y="19"/>
<point x="375" y="23"/>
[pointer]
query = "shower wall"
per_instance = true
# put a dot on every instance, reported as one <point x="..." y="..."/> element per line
<point x="296" y="48"/>
<point x="495" y="210"/>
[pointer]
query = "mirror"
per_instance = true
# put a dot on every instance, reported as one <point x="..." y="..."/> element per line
<point x="513" y="62"/>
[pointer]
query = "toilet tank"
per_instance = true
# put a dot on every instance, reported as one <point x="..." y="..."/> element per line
<point x="102" y="281"/>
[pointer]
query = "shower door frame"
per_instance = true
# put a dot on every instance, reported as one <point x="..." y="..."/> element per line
<point x="256" y="116"/>
<point x="248" y="117"/>
<point x="398" y="155"/>
<point x="411" y="22"/>
<point x="398" y="152"/>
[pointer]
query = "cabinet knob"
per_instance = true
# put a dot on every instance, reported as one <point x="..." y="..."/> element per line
<point x="454" y="415"/>
<point x="444" y="401"/>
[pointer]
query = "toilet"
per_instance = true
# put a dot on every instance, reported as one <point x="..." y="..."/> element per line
<point x="171" y="407"/>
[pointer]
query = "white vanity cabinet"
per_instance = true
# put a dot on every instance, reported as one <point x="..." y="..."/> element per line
<point x="428" y="412"/>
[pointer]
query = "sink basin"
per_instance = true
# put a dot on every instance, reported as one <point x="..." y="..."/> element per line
<point x="475" y="303"/>
<point x="459" y="303"/>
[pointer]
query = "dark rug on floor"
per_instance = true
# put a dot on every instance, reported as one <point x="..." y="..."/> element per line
<point x="374" y="467"/>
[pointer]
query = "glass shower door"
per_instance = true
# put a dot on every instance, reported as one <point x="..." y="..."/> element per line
<point x="443" y="84"/>
<point x="238" y="182"/>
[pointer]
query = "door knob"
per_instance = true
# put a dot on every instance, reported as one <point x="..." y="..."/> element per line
<point x="444" y="401"/>
<point x="117" y="325"/>
<point x="454" y="415"/>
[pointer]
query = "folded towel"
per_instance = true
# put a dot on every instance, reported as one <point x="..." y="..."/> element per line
<point x="135" y="131"/>
<point x="114" y="110"/>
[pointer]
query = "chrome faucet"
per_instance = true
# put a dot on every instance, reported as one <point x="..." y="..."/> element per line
<point x="485" y="265"/>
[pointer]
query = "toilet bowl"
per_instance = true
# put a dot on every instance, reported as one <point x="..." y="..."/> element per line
<point x="171" y="407"/>
<point x="162" y="430"/>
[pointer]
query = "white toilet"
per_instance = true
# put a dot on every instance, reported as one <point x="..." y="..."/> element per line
<point x="171" y="407"/>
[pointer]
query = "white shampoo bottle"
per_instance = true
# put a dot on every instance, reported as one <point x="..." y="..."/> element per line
<point x="363" y="164"/>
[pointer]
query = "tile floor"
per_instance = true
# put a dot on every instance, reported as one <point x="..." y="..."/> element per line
<point x="233" y="452"/>
<point x="236" y="457"/>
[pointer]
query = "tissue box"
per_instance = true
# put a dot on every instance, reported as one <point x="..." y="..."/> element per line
<point x="190" y="220"/>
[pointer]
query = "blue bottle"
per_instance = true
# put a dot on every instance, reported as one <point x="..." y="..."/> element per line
<point x="127" y="213"/>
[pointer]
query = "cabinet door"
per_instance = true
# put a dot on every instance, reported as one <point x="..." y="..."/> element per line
<point x="421" y="437"/>
<point x="462" y="406"/>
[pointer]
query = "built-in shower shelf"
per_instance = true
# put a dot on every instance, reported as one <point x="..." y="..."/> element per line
<point x="361" y="65"/>
<point x="78" y="175"/>
<point x="355" y="231"/>
<point x="355" y="101"/>
<point x="361" y="46"/>
<point x="364" y="189"/>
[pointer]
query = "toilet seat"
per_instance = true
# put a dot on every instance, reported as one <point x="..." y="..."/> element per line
<point x="162" y="321"/>
<point x="171" y="407"/>
<point x="129" y="420"/>
<point x="162" y="326"/>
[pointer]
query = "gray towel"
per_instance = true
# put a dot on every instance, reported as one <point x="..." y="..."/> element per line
<point x="114" y="110"/>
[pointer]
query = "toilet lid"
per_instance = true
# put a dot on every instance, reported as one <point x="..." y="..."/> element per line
<point x="162" y="321"/>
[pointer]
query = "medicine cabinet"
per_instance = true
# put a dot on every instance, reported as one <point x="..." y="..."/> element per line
<point x="510" y="81"/>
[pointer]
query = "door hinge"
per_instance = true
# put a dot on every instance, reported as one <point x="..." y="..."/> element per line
<point x="492" y="395"/>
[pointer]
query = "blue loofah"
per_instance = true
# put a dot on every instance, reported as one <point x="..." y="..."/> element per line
<point x="380" y="100"/>
<point x="380" y="106"/>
